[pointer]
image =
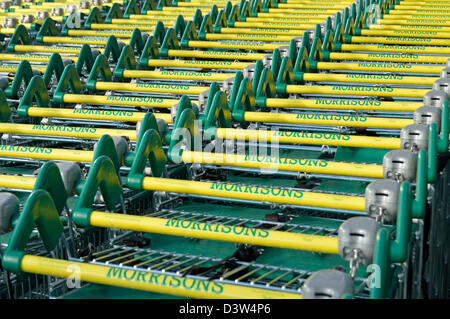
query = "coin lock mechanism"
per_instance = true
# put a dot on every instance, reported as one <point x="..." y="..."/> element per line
<point x="327" y="284"/>
<point x="356" y="244"/>
<point x="228" y="86"/>
<point x="9" y="206"/>
<point x="70" y="174"/>
<point x="382" y="198"/>
<point x="428" y="115"/>
<point x="414" y="137"/>
<point x="267" y="61"/>
<point x="435" y="98"/>
<point x="400" y="165"/>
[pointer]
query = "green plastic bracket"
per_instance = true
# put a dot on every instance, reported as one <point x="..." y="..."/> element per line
<point x="389" y="251"/>
<point x="150" y="51"/>
<point x="214" y="12"/>
<point x="183" y="135"/>
<point x="206" y="27"/>
<point x="256" y="6"/>
<point x="245" y="101"/>
<point x="179" y="25"/>
<point x="399" y="247"/>
<point x="85" y="60"/>
<point x="198" y="18"/>
<point x="170" y="42"/>
<point x="159" y="32"/>
<point x="36" y="91"/>
<point x="149" y="5"/>
<point x="150" y="149"/>
<point x="315" y="53"/>
<point x="183" y="104"/>
<point x="266" y="88"/>
<point x="221" y="21"/>
<point x="136" y="41"/>
<point x="112" y="50"/>
<point x="190" y="33"/>
<point x="381" y="258"/>
<point x="132" y="8"/>
<point x="276" y="62"/>
<point x="49" y="179"/>
<point x="39" y="211"/>
<point x="228" y="8"/>
<point x="259" y="67"/>
<point x="147" y="123"/>
<point x="48" y="29"/>
<point x="126" y="62"/>
<point x="20" y="36"/>
<point x="23" y="76"/>
<point x="103" y="176"/>
<point x="383" y="8"/>
<point x="285" y="75"/>
<point x="93" y="17"/>
<point x="105" y="146"/>
<point x="267" y="4"/>
<point x="349" y="30"/>
<point x="359" y="22"/>
<point x="419" y="202"/>
<point x="217" y="113"/>
<point x="114" y="13"/>
<point x="5" y="110"/>
<point x="70" y="82"/>
<point x="245" y="11"/>
<point x="302" y="62"/>
<point x="55" y="67"/>
<point x="443" y="140"/>
<point x="339" y="37"/>
<point x="327" y="45"/>
<point x="432" y="153"/>
<point x="238" y="78"/>
<point x="233" y="16"/>
<point x="163" y="3"/>
<point x="100" y="70"/>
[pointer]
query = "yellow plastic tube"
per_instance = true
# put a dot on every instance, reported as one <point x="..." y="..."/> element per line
<point x="80" y="40"/>
<point x="401" y="40"/>
<point x="50" y="49"/>
<point x="369" y="78"/>
<point x="389" y="57"/>
<point x="317" y="166"/>
<point x="185" y="228"/>
<point x="395" y="48"/>
<point x="177" y="75"/>
<point x="234" y="45"/>
<point x="380" y="67"/>
<point x="356" y="90"/>
<point x="140" y="280"/>
<point x="19" y="182"/>
<point x="204" y="64"/>
<point x="126" y="116"/>
<point x="344" y="104"/>
<point x="36" y="152"/>
<point x="120" y="100"/>
<point x="309" y="138"/>
<point x="151" y="87"/>
<point x="226" y="55"/>
<point x="67" y="131"/>
<point x="249" y="37"/>
<point x="269" y="25"/>
<point x="255" y="193"/>
<point x="327" y="119"/>
<point x="407" y="33"/>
